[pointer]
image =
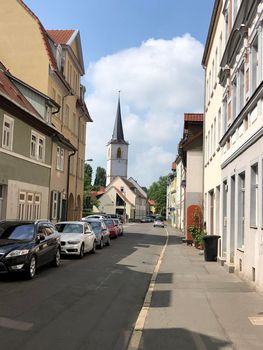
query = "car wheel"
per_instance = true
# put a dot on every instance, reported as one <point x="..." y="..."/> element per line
<point x="81" y="252"/>
<point x="93" y="250"/>
<point x="56" y="260"/>
<point x="31" y="269"/>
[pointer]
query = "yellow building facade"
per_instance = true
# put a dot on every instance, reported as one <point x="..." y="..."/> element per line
<point x="51" y="61"/>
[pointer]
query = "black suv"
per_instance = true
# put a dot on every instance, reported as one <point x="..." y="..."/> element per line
<point x="26" y="245"/>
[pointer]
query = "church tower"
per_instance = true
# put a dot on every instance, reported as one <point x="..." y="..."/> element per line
<point x="117" y="150"/>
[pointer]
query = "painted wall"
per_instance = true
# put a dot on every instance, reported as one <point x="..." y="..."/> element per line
<point x="20" y="38"/>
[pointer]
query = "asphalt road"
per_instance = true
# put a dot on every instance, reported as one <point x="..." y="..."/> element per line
<point x="91" y="303"/>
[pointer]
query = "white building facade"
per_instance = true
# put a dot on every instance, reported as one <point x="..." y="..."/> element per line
<point x="233" y="173"/>
<point x="213" y="127"/>
<point x="242" y="141"/>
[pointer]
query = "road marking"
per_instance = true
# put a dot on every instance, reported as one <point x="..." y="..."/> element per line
<point x="139" y="325"/>
<point x="13" y="324"/>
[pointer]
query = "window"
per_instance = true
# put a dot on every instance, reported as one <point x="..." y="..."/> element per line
<point x="8" y="131"/>
<point x="37" y="146"/>
<point x="60" y="158"/>
<point x="254" y="196"/>
<point x="29" y="205"/>
<point x="241" y="210"/>
<point x="226" y="24"/>
<point x="234" y="98"/>
<point x="225" y="115"/>
<point x="54" y="205"/>
<point x="220" y="46"/>
<point x="215" y="141"/>
<point x="119" y="153"/>
<point x="72" y="165"/>
<point x="212" y="140"/>
<point x="219" y="125"/>
<point x="241" y="88"/>
<point x="254" y="65"/>
<point x="216" y="66"/>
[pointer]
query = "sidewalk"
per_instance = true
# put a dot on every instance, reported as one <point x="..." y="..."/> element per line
<point x="198" y="305"/>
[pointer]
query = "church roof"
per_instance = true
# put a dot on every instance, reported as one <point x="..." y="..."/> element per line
<point x="118" y="136"/>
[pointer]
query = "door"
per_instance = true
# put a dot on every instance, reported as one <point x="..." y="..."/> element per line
<point x="42" y="249"/>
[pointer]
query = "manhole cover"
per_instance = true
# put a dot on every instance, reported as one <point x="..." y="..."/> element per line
<point x="256" y="321"/>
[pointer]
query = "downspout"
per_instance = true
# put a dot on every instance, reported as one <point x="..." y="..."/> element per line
<point x="69" y="158"/>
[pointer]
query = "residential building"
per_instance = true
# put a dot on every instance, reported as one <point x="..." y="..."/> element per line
<point x="171" y="214"/>
<point x="180" y="194"/>
<point x="191" y="152"/>
<point x="242" y="140"/>
<point x="214" y="120"/>
<point x="26" y="142"/>
<point x="124" y="197"/>
<point x="51" y="61"/>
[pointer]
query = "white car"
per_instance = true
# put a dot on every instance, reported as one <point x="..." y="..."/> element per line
<point x="158" y="223"/>
<point x="76" y="238"/>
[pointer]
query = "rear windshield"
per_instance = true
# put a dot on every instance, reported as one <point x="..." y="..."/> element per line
<point x="95" y="225"/>
<point x="17" y="231"/>
<point x="109" y="222"/>
<point x="69" y="228"/>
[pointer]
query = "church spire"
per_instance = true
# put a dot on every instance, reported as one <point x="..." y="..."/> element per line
<point x="118" y="135"/>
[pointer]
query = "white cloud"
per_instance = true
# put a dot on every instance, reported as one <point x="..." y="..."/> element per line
<point x="160" y="80"/>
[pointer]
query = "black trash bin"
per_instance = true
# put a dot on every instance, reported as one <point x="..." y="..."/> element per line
<point x="210" y="247"/>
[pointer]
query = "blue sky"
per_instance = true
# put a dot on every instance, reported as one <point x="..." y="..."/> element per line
<point x="108" y="26"/>
<point x="151" y="50"/>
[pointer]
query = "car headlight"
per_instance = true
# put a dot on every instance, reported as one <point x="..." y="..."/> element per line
<point x="74" y="242"/>
<point x="17" y="252"/>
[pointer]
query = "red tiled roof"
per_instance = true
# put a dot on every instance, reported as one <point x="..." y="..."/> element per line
<point x="43" y="32"/>
<point x="173" y="166"/>
<point x="60" y="36"/>
<point x="193" y="117"/>
<point x="9" y="90"/>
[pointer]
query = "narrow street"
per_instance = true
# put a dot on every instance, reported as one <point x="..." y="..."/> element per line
<point x="91" y="303"/>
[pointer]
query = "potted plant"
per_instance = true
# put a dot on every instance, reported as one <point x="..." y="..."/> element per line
<point x="196" y="230"/>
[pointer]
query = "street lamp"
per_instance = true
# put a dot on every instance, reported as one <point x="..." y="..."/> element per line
<point x="89" y="160"/>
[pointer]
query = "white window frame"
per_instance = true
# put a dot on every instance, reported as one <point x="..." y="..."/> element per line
<point x="38" y="146"/>
<point x="254" y="195"/>
<point x="54" y="205"/>
<point x="8" y="131"/>
<point x="60" y="158"/>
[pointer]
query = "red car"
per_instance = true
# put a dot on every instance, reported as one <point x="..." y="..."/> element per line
<point x="112" y="227"/>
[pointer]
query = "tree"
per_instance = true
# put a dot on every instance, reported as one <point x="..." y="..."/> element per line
<point x="87" y="186"/>
<point x="157" y="192"/>
<point x="87" y="177"/>
<point x="100" y="179"/>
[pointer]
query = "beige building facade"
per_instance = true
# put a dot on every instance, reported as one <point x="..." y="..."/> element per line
<point x="51" y="61"/>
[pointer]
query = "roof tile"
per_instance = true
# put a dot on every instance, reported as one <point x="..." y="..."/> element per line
<point x="193" y="117"/>
<point x="60" y="36"/>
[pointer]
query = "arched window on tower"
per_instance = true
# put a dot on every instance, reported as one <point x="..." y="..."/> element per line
<point x="119" y="153"/>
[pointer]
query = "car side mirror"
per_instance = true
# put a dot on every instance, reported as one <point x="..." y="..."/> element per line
<point x="40" y="237"/>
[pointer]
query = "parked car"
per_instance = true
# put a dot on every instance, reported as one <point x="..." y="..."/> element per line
<point x="147" y="219"/>
<point x="101" y="232"/>
<point x="27" y="245"/>
<point x="112" y="227"/>
<point x="77" y="238"/>
<point x="158" y="222"/>
<point x="119" y="226"/>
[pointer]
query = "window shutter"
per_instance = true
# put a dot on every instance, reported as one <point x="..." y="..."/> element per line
<point x="51" y="205"/>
